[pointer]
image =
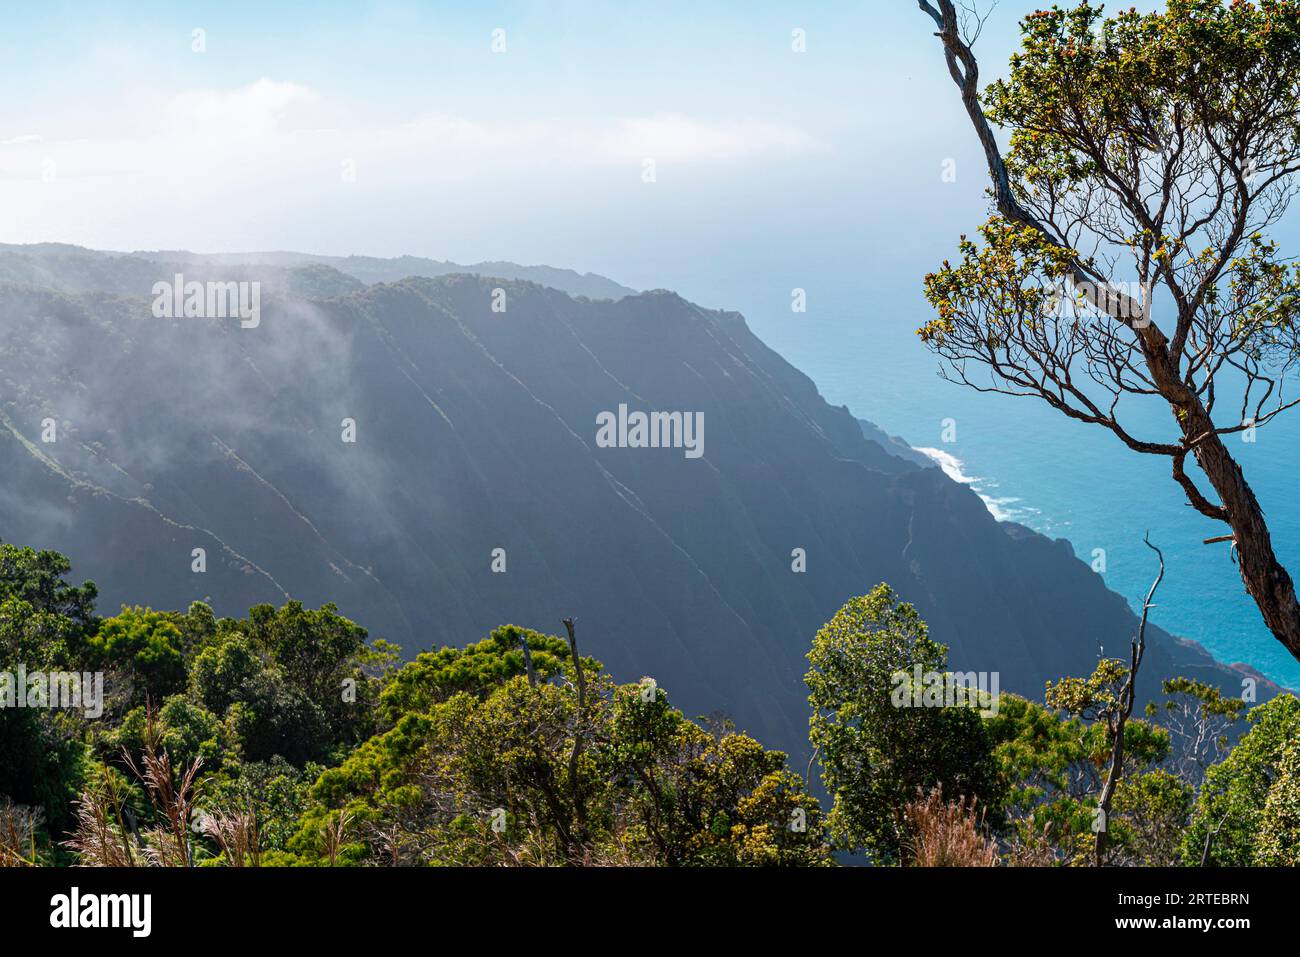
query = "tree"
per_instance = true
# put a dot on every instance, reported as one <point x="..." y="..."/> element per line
<point x="1230" y="808"/>
<point x="44" y="624"/>
<point x="1151" y="812"/>
<point x="1107" y="697"/>
<point x="707" y="797"/>
<point x="877" y="754"/>
<point x="273" y="793"/>
<point x="1279" y="826"/>
<point x="36" y="578"/>
<point x="182" y="728"/>
<point x="147" y="646"/>
<point x="1199" y="718"/>
<point x="316" y="650"/>
<point x="310" y="691"/>
<point x="1054" y="766"/>
<point x="1149" y="153"/>
<point x="434" y="676"/>
<point x="481" y="770"/>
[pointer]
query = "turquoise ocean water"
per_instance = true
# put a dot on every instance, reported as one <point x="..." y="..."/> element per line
<point x="1064" y="479"/>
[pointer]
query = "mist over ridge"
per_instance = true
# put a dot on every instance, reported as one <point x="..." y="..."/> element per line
<point x="475" y="430"/>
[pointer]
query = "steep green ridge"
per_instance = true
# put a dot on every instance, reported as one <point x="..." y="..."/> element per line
<point x="476" y="431"/>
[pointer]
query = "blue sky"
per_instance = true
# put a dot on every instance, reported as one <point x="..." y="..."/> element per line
<point x="409" y="56"/>
<point x="123" y="137"/>
<point x="774" y="170"/>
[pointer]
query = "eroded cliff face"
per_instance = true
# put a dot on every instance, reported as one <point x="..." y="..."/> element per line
<point x="476" y="430"/>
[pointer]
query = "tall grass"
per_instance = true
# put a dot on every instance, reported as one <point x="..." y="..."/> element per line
<point x="946" y="833"/>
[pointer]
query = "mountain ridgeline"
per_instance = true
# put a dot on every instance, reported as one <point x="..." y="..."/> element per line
<point x="475" y="491"/>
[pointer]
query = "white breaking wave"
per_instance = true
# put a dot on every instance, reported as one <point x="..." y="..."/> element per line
<point x="953" y="468"/>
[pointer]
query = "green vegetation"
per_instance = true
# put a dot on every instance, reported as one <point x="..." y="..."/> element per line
<point x="875" y="756"/>
<point x="1150" y="155"/>
<point x="288" y="738"/>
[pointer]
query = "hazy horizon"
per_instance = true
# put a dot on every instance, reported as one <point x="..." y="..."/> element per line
<point x="403" y="133"/>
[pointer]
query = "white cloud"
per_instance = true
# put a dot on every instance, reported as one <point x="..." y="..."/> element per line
<point x="204" y="129"/>
<point x="259" y="109"/>
<point x="273" y="152"/>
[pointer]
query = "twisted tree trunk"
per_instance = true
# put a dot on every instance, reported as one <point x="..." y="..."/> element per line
<point x="1266" y="581"/>
<point x="1264" y="577"/>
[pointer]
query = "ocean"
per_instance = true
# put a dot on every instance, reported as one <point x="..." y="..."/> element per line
<point x="1062" y="478"/>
